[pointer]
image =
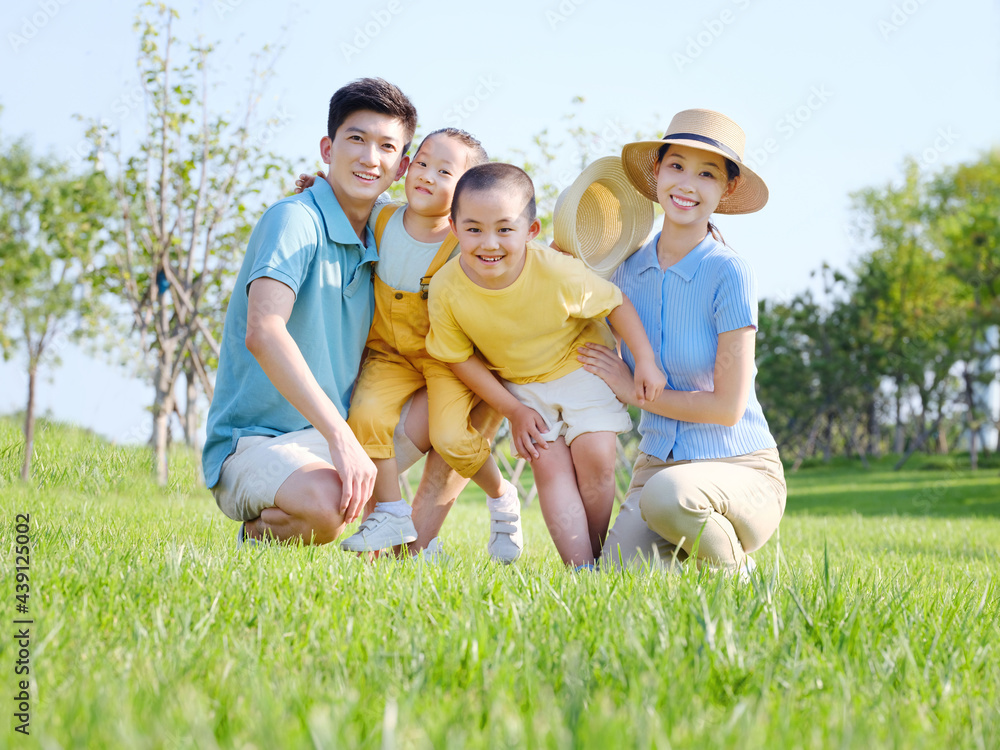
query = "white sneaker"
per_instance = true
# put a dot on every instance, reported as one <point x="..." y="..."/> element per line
<point x="379" y="531"/>
<point x="745" y="571"/>
<point x="506" y="541"/>
<point x="433" y="553"/>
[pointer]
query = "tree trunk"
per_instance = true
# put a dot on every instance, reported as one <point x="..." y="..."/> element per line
<point x="828" y="439"/>
<point x="874" y="430"/>
<point x="191" y="407"/>
<point x="163" y="406"/>
<point x="29" y="423"/>
<point x="971" y="421"/>
<point x="899" y="442"/>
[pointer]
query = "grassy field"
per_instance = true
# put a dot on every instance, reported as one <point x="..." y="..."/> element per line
<point x="876" y="623"/>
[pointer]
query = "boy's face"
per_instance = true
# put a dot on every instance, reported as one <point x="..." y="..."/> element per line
<point x="492" y="232"/>
<point x="365" y="156"/>
<point x="433" y="174"/>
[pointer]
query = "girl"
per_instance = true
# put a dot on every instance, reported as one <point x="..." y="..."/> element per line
<point x="708" y="481"/>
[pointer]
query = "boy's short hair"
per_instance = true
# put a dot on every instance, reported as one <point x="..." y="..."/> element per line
<point x="375" y="95"/>
<point x="496" y="176"/>
<point x="477" y="154"/>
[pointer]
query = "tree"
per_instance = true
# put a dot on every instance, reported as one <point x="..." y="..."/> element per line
<point x="51" y="234"/>
<point x="183" y="206"/>
<point x="964" y="219"/>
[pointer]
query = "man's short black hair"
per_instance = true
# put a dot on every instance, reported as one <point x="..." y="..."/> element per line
<point x="375" y="95"/>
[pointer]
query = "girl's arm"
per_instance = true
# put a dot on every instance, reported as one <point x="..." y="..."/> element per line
<point x="724" y="404"/>
<point x="526" y="424"/>
<point x="649" y="380"/>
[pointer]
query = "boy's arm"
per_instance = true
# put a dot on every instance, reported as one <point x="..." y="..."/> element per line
<point x="649" y="380"/>
<point x="269" y="307"/>
<point x="724" y="404"/>
<point x="526" y="425"/>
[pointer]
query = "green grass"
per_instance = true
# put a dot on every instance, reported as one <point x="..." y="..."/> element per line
<point x="877" y="624"/>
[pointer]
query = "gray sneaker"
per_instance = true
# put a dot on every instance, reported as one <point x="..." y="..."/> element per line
<point x="379" y="531"/>
<point x="506" y="541"/>
<point x="242" y="540"/>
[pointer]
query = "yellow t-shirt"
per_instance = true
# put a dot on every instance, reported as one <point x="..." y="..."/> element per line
<point x="528" y="332"/>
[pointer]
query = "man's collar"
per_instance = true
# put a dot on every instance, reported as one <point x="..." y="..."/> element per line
<point x="338" y="228"/>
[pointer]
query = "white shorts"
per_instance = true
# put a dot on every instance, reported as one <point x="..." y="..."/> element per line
<point x="251" y="476"/>
<point x="574" y="404"/>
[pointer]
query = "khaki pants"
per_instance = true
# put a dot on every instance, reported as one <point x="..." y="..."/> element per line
<point x="730" y="506"/>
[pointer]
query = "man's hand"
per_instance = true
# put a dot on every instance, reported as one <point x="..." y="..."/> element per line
<point x="357" y="474"/>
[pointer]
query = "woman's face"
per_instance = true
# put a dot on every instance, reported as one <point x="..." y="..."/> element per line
<point x="690" y="183"/>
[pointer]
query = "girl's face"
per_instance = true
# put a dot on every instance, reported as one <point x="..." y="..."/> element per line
<point x="690" y="183"/>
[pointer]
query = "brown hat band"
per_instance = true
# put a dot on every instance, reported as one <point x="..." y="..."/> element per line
<point x="705" y="139"/>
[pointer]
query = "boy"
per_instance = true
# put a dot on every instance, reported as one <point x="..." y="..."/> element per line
<point x="279" y="455"/>
<point x="414" y="241"/>
<point x="526" y="310"/>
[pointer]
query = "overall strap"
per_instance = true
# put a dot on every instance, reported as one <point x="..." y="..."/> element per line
<point x="383" y="219"/>
<point x="443" y="253"/>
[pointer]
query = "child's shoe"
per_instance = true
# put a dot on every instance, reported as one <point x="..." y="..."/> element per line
<point x="380" y="530"/>
<point x="433" y="553"/>
<point x="506" y="541"/>
<point x="243" y="540"/>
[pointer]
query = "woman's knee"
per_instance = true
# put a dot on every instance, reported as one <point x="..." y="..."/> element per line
<point x="662" y="502"/>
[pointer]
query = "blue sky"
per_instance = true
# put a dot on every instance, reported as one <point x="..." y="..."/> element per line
<point x="833" y="97"/>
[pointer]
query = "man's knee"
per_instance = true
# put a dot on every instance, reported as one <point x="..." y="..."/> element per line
<point x="314" y="500"/>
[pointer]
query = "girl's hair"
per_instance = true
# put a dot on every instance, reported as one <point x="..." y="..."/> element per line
<point x="477" y="154"/>
<point x="732" y="172"/>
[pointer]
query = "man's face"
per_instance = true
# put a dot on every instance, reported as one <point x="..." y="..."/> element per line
<point x="365" y="156"/>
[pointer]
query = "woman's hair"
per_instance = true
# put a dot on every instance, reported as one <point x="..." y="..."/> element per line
<point x="732" y="172"/>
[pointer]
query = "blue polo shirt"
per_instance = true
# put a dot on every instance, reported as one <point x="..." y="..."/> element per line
<point x="684" y="309"/>
<point x="306" y="242"/>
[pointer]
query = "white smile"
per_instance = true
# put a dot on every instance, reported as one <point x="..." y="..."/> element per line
<point x="366" y="176"/>
<point x="491" y="259"/>
<point x="683" y="202"/>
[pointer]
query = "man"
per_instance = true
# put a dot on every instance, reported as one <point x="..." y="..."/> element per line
<point x="279" y="455"/>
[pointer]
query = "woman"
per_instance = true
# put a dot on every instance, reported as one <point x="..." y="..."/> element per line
<point x="708" y="481"/>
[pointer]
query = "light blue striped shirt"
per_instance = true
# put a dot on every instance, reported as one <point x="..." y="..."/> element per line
<point x="684" y="309"/>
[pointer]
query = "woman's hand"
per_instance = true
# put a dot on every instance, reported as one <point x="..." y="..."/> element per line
<point x="526" y="430"/>
<point x="609" y="367"/>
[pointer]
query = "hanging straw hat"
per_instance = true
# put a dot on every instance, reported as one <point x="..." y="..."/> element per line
<point x="600" y="218"/>
<point x="709" y="131"/>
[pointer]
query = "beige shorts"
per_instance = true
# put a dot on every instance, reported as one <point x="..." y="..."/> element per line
<point x="574" y="404"/>
<point x="251" y="476"/>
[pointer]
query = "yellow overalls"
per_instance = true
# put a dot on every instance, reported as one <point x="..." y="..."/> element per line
<point x="398" y="365"/>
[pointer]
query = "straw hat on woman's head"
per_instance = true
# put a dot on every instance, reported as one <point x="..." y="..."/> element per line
<point x="600" y="218"/>
<point x="708" y="131"/>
